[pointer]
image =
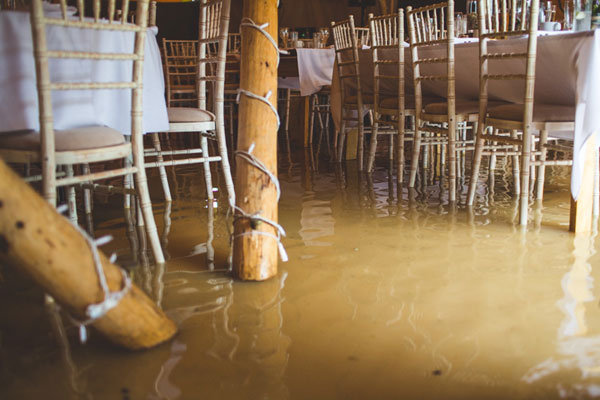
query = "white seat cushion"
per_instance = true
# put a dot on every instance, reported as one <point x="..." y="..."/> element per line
<point x="86" y="138"/>
<point x="188" y="114"/>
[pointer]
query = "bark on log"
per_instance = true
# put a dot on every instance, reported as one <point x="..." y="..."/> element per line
<point x="255" y="255"/>
<point x="43" y="244"/>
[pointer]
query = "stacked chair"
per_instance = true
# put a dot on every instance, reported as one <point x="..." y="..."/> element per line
<point x="345" y="40"/>
<point x="387" y="45"/>
<point x="498" y="24"/>
<point x="433" y="27"/>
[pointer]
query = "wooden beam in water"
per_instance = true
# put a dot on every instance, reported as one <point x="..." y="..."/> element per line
<point x="255" y="253"/>
<point x="43" y="244"/>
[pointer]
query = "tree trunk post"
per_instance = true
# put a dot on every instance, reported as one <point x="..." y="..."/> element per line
<point x="38" y="241"/>
<point x="255" y="248"/>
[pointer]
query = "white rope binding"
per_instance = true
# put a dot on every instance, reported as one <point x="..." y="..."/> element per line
<point x="111" y="299"/>
<point x="255" y="162"/>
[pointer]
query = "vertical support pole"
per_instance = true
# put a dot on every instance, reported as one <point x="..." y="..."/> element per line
<point x="255" y="254"/>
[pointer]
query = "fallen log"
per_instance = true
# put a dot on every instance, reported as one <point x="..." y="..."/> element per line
<point x="44" y="245"/>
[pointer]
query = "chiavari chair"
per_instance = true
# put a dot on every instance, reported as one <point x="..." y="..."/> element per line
<point x="205" y="119"/>
<point x="500" y="22"/>
<point x="433" y="27"/>
<point x="88" y="144"/>
<point x="346" y="49"/>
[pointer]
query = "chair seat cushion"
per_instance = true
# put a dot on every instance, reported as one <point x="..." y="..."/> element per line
<point x="409" y="102"/>
<point x="368" y="99"/>
<point x="188" y="114"/>
<point x="462" y="107"/>
<point x="86" y="138"/>
<point x="541" y="112"/>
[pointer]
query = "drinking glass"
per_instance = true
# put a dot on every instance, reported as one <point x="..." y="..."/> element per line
<point x="582" y="15"/>
<point x="324" y="35"/>
<point x="284" y="34"/>
<point x="317" y="40"/>
<point x="293" y="38"/>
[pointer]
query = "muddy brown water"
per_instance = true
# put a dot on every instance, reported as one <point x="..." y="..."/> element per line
<point x="387" y="295"/>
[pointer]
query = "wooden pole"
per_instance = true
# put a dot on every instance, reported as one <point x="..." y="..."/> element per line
<point x="255" y="254"/>
<point x="43" y="244"/>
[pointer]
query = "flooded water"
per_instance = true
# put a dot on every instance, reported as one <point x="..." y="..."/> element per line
<point x="388" y="294"/>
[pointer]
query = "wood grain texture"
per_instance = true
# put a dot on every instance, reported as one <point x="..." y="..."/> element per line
<point x="38" y="241"/>
<point x="255" y="255"/>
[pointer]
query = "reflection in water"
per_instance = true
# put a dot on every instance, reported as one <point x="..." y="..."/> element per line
<point x="577" y="349"/>
<point x="389" y="293"/>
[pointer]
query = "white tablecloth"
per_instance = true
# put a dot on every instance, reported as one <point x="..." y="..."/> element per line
<point x="19" y="105"/>
<point x="315" y="69"/>
<point x="567" y="73"/>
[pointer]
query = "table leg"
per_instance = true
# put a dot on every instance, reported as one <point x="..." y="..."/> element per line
<point x="580" y="219"/>
<point x="306" y="119"/>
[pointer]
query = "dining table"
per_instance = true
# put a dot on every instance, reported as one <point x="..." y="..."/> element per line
<point x="567" y="73"/>
<point x="76" y="108"/>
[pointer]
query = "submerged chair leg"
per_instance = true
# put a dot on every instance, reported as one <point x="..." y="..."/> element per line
<point x="71" y="197"/>
<point x="479" y="142"/>
<point x="373" y="145"/>
<point x="516" y="169"/>
<point x="414" y="162"/>
<point x="161" y="168"/>
<point x="525" y="166"/>
<point x="207" y="174"/>
<point x="542" y="167"/>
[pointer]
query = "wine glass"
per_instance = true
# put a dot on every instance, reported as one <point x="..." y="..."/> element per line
<point x="284" y="34"/>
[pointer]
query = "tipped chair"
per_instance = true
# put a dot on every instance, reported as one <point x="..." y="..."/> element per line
<point x="497" y="26"/>
<point x="88" y="144"/>
<point x="429" y="27"/>
<point x="353" y="103"/>
<point x="387" y="34"/>
<point x="209" y="70"/>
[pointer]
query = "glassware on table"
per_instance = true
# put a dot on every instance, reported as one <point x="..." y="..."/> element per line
<point x="317" y="40"/>
<point x="568" y="15"/>
<point x="461" y="24"/>
<point x="324" y="35"/>
<point x="582" y="15"/>
<point x="293" y="39"/>
<point x="284" y="34"/>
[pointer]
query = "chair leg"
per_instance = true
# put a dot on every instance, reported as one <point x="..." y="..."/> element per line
<point x="515" y="159"/>
<point x="222" y="145"/>
<point x="479" y="142"/>
<point x="71" y="197"/>
<point x="400" y="150"/>
<point x="525" y="166"/>
<point x="207" y="173"/>
<point x="87" y="193"/>
<point x="161" y="168"/>
<point x="414" y="162"/>
<point x="288" y="99"/>
<point x="313" y="103"/>
<point x="373" y="145"/>
<point x="141" y="183"/>
<point x="341" y="139"/>
<point x="361" y="141"/>
<point x="452" y="160"/>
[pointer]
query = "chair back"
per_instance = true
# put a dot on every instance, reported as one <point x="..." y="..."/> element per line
<point x="363" y="37"/>
<point x="180" y="58"/>
<point x="431" y="26"/>
<point x="387" y="35"/>
<point x="496" y="27"/>
<point x="347" y="61"/>
<point x="76" y="20"/>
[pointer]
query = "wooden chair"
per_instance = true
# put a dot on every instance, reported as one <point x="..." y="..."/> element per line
<point x="387" y="33"/>
<point x="363" y="36"/>
<point x="434" y="26"/>
<point x="209" y="70"/>
<point x="88" y="144"/>
<point x="346" y="51"/>
<point x="497" y="25"/>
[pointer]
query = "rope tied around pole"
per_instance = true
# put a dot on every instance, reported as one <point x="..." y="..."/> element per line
<point x="111" y="299"/>
<point x="256" y="217"/>
<point x="264" y="99"/>
<point x="261" y="28"/>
